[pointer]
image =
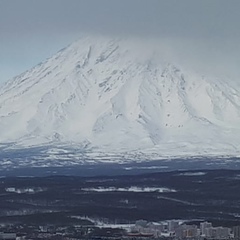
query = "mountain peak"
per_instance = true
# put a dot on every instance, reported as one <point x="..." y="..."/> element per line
<point x="119" y="95"/>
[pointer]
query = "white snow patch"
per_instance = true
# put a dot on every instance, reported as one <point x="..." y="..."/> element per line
<point x="193" y="174"/>
<point x="130" y="189"/>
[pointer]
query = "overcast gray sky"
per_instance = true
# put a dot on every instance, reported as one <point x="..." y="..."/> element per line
<point x="203" y="32"/>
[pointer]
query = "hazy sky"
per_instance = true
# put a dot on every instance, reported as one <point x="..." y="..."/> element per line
<point x="205" y="33"/>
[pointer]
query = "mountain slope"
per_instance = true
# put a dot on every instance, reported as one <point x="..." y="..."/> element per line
<point x="105" y="94"/>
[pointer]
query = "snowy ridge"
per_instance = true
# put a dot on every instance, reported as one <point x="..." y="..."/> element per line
<point x="104" y="95"/>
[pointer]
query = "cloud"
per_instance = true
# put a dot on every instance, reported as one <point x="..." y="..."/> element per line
<point x="202" y="33"/>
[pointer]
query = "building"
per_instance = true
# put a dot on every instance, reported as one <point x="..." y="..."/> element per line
<point x="203" y="228"/>
<point x="236" y="232"/>
<point x="172" y="225"/>
<point x="217" y="232"/>
<point x="187" y="231"/>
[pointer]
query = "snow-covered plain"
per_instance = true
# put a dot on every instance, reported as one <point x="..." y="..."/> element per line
<point x="110" y="99"/>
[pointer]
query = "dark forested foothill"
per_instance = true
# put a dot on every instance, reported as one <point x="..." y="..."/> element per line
<point x="212" y="195"/>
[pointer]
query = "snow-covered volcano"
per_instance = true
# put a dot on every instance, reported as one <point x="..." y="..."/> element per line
<point x="114" y="96"/>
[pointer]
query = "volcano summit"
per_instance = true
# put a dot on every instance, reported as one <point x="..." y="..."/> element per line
<point x="111" y="96"/>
